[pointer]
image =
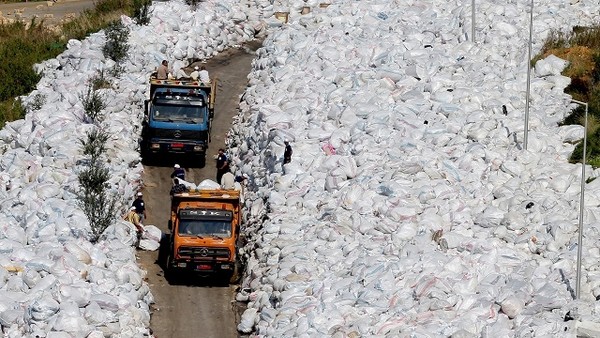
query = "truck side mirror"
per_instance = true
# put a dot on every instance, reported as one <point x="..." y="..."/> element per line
<point x="170" y="225"/>
<point x="146" y="102"/>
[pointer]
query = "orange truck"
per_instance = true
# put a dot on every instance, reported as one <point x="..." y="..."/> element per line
<point x="204" y="229"/>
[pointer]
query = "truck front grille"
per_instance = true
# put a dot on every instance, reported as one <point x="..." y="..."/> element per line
<point x="203" y="252"/>
<point x="176" y="134"/>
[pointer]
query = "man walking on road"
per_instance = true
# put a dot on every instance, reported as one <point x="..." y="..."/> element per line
<point x="222" y="165"/>
<point x="140" y="206"/>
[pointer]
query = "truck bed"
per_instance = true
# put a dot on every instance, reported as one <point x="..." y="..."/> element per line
<point x="209" y="194"/>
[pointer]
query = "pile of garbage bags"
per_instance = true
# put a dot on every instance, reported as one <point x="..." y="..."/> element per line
<point x="410" y="207"/>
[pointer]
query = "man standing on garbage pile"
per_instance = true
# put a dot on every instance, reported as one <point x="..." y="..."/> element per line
<point x="228" y="181"/>
<point x="133" y="218"/>
<point x="178" y="172"/>
<point x="178" y="187"/>
<point x="203" y="75"/>
<point x="140" y="206"/>
<point x="222" y="164"/>
<point x="287" y="154"/>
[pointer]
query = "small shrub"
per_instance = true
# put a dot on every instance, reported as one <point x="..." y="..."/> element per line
<point x="94" y="198"/>
<point x="116" y="70"/>
<point x="116" y="46"/>
<point x="192" y="3"/>
<point x="98" y="205"/>
<point x="94" y="177"/>
<point x="99" y="81"/>
<point x="141" y="11"/>
<point x="95" y="143"/>
<point x="93" y="104"/>
<point x="39" y="100"/>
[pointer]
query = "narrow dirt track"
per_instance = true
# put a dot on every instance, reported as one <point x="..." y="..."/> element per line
<point x="199" y="309"/>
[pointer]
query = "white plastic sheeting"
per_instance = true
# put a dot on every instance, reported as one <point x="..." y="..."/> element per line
<point x="53" y="281"/>
<point x="409" y="207"/>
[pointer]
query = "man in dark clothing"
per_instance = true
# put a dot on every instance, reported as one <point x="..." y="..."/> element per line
<point x="140" y="206"/>
<point x="178" y="187"/>
<point x="287" y="154"/>
<point x="222" y="165"/>
<point x="178" y="172"/>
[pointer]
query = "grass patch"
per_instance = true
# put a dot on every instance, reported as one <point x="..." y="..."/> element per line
<point x="23" y="44"/>
<point x="11" y="110"/>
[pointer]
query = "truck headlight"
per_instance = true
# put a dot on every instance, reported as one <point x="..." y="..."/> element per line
<point x="197" y="148"/>
<point x="155" y="146"/>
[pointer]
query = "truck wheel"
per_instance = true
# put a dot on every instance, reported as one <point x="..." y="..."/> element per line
<point x="169" y="275"/>
<point x="235" y="277"/>
<point x="146" y="156"/>
<point x="201" y="161"/>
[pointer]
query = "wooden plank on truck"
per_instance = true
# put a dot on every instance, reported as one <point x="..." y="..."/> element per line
<point x="213" y="94"/>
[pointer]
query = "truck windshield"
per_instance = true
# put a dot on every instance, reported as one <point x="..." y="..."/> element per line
<point x="204" y="228"/>
<point x="178" y="111"/>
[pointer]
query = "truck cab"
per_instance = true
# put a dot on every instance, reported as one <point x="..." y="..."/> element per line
<point x="204" y="228"/>
<point x="178" y="118"/>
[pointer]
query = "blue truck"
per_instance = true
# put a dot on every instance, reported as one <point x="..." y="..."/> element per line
<point x="178" y="119"/>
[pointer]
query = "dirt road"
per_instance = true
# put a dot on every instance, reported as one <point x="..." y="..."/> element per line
<point x="51" y="12"/>
<point x="198" y="310"/>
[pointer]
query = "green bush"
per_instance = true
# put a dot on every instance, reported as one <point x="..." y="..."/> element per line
<point x="94" y="197"/>
<point x="93" y="104"/>
<point x="95" y="144"/>
<point x="116" y="46"/>
<point x="141" y="11"/>
<point x="39" y="100"/>
<point x="99" y="81"/>
<point x="192" y="3"/>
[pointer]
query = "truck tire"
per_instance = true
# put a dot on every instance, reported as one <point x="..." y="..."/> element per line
<point x="146" y="155"/>
<point x="163" y="251"/>
<point x="201" y="160"/>
<point x="236" y="276"/>
<point x="170" y="273"/>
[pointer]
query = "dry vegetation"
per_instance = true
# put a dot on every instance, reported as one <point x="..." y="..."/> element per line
<point x="581" y="47"/>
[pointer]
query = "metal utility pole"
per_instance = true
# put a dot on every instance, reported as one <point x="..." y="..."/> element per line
<point x="473" y="21"/>
<point x="581" y="203"/>
<point x="528" y="79"/>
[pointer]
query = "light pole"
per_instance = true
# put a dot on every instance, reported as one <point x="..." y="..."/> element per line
<point x="528" y="79"/>
<point x="581" y="202"/>
<point x="473" y="21"/>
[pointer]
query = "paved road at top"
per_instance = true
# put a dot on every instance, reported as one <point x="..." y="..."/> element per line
<point x="57" y="9"/>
